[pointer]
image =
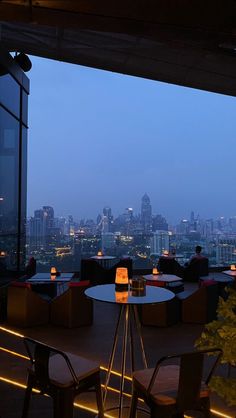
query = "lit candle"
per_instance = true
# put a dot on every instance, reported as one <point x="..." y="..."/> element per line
<point x="53" y="271"/>
<point x="232" y="267"/>
<point x="122" y="279"/>
<point x="155" y="270"/>
<point x="99" y="253"/>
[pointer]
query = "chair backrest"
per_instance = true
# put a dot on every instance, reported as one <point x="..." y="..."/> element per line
<point x="169" y="265"/>
<point x="198" y="267"/>
<point x="194" y="369"/>
<point x="39" y="355"/>
<point x="93" y="271"/>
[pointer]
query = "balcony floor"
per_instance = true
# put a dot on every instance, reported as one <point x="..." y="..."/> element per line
<point x="93" y="342"/>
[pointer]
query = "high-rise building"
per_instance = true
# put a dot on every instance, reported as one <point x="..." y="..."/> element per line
<point x="108" y="218"/>
<point x="159" y="223"/>
<point x="160" y="242"/>
<point x="146" y="214"/>
<point x="37" y="230"/>
<point x="108" y="241"/>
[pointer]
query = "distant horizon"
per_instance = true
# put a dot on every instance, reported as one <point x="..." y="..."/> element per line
<point x="100" y="139"/>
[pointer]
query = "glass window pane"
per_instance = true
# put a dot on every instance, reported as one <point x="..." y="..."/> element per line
<point x="9" y="188"/>
<point x="10" y="94"/>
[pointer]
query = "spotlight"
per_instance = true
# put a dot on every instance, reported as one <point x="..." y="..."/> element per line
<point x="23" y="61"/>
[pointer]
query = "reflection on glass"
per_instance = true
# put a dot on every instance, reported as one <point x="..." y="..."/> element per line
<point x="10" y="94"/>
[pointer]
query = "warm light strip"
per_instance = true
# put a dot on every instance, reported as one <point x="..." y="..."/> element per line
<point x="220" y="414"/>
<point x="15" y="383"/>
<point x="117" y="391"/>
<point x="13" y="353"/>
<point x="116" y="373"/>
<point x="11" y="332"/>
<point x="77" y="405"/>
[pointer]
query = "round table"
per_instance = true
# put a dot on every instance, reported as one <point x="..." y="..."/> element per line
<point x="128" y="302"/>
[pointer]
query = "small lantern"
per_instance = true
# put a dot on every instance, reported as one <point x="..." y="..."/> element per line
<point x="99" y="253"/>
<point x="122" y="279"/>
<point x="233" y="267"/>
<point x="155" y="271"/>
<point x="53" y="271"/>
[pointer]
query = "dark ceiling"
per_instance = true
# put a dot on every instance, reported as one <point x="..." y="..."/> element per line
<point x="190" y="42"/>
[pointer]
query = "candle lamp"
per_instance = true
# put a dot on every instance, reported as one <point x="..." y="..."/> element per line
<point x="53" y="271"/>
<point x="233" y="267"/>
<point x="122" y="279"/>
<point x="155" y="270"/>
<point x="99" y="253"/>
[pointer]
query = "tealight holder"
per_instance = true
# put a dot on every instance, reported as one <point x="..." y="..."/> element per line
<point x="233" y="267"/>
<point x="53" y="271"/>
<point x="155" y="271"/>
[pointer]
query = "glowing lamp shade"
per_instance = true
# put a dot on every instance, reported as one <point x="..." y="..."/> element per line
<point x="53" y="271"/>
<point x="122" y="276"/>
<point x="122" y="279"/>
<point x="155" y="270"/>
<point x="99" y="253"/>
<point x="232" y="267"/>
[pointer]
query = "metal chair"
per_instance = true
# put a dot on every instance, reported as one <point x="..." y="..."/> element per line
<point x="62" y="376"/>
<point x="173" y="389"/>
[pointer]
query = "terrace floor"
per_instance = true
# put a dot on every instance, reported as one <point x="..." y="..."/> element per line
<point x="93" y="342"/>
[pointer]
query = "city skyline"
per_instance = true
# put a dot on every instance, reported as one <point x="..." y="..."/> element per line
<point x="102" y="139"/>
<point x="192" y="213"/>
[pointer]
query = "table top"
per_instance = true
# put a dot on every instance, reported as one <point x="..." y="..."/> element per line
<point x="167" y="278"/>
<point x="103" y="257"/>
<point x="219" y="279"/>
<point x="47" y="278"/>
<point x="230" y="272"/>
<point x="107" y="293"/>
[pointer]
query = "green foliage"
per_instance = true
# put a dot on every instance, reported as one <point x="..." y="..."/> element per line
<point x="221" y="333"/>
<point x="225" y="387"/>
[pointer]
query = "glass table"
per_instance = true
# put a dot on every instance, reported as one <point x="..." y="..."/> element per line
<point x="50" y="285"/>
<point x="231" y="273"/>
<point x="165" y="278"/>
<point x="128" y="301"/>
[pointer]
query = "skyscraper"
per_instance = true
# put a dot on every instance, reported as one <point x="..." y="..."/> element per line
<point x="146" y="214"/>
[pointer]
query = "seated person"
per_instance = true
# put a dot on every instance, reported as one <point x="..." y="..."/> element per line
<point x="197" y="266"/>
<point x="197" y="255"/>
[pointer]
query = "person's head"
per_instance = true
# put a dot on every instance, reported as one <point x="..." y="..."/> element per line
<point x="198" y="249"/>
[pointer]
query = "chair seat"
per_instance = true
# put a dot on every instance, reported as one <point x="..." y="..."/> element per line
<point x="59" y="372"/>
<point x="164" y="391"/>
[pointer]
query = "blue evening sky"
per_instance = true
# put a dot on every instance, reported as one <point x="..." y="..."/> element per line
<point x="103" y="139"/>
